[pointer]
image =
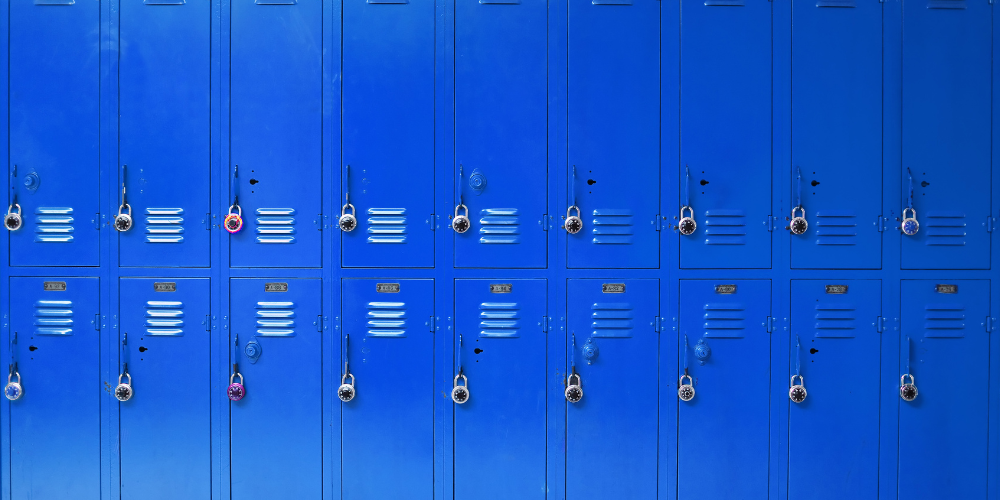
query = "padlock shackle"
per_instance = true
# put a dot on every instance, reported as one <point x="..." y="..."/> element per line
<point x="912" y="210"/>
<point x="802" y="380"/>
<point x="13" y="205"/>
<point x="902" y="379"/>
<point x="799" y="208"/>
<point x="690" y="211"/>
<point x="686" y="376"/>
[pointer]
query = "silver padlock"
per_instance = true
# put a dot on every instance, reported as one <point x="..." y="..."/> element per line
<point x="12" y="221"/>
<point x="236" y="390"/>
<point x="573" y="223"/>
<point x="461" y="223"/>
<point x="123" y="221"/>
<point x="798" y="225"/>
<point x="910" y="226"/>
<point x="907" y="391"/>
<point x="233" y="221"/>
<point x="460" y="393"/>
<point x="797" y="392"/>
<point x="346" y="392"/>
<point x="123" y="392"/>
<point x="574" y="392"/>
<point x="347" y="221"/>
<point x="685" y="391"/>
<point x="13" y="390"/>
<point x="687" y="225"/>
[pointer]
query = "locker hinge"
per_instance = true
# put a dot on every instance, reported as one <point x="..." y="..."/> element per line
<point x="208" y="222"/>
<point x="430" y="222"/>
<point x="880" y="324"/>
<point x="319" y="222"/>
<point x="545" y="222"/>
<point x="659" y="224"/>
<point x="97" y="321"/>
<point x="989" y="224"/>
<point x="430" y="323"/>
<point x="97" y="221"/>
<point x="658" y="324"/>
<point x="989" y="324"/>
<point x="770" y="324"/>
<point x="545" y="323"/>
<point x="319" y="322"/>
<point x="770" y="226"/>
<point x="880" y="224"/>
<point x="208" y="323"/>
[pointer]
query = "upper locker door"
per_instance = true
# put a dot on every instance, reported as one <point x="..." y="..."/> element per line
<point x="388" y="428"/>
<point x="614" y="347"/>
<point x="165" y="427"/>
<point x="388" y="127"/>
<point x="946" y="347"/>
<point x="275" y="172"/>
<point x="55" y="427"/>
<point x="54" y="139"/>
<point x="837" y="133"/>
<point x="947" y="91"/>
<point x="502" y="325"/>
<point x="614" y="133"/>
<point x="723" y="432"/>
<point x="165" y="135"/>
<point x="501" y="124"/>
<point x="725" y="170"/>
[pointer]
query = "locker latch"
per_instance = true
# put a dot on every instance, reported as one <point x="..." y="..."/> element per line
<point x="989" y="224"/>
<point x="769" y="324"/>
<point x="989" y="324"/>
<point x="880" y="324"/>
<point x="545" y="323"/>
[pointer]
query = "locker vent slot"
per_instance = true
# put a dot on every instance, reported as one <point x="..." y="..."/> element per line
<point x="725" y="320"/>
<point x="944" y="321"/>
<point x="835" y="227"/>
<point x="835" y="321"/>
<point x="945" y="228"/>
<point x="946" y="4"/>
<point x="55" y="2"/>
<point x="54" y="317"/>
<point x="386" y="225"/>
<point x="499" y="226"/>
<point x="499" y="319"/>
<point x="275" y="225"/>
<point x="276" y="319"/>
<point x="164" y="225"/>
<point x="725" y="227"/>
<point x="836" y="3"/>
<point x="164" y="318"/>
<point x="387" y="319"/>
<point x="54" y="225"/>
<point x="612" y="226"/>
<point x="612" y="320"/>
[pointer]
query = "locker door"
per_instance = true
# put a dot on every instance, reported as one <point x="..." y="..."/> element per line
<point x="614" y="133"/>
<point x="55" y="427"/>
<point x="943" y="432"/>
<point x="722" y="432"/>
<point x="277" y="88"/>
<point x="54" y="99"/>
<point x="946" y="132"/>
<point x="502" y="324"/>
<point x="388" y="119"/>
<point x="726" y="132"/>
<point x="501" y="125"/>
<point x="611" y="433"/>
<point x="837" y="134"/>
<point x="165" y="134"/>
<point x="166" y="426"/>
<point x="833" y="434"/>
<point x="388" y="428"/>
<point x="277" y="428"/>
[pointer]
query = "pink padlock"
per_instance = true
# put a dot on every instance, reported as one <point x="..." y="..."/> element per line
<point x="236" y="391"/>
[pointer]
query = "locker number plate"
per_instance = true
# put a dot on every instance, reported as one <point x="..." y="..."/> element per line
<point x="946" y="288"/>
<point x="167" y="286"/>
<point x="501" y="287"/>
<point x="725" y="289"/>
<point x="836" y="289"/>
<point x="613" y="288"/>
<point x="275" y="287"/>
<point x="54" y="286"/>
<point x="387" y="287"/>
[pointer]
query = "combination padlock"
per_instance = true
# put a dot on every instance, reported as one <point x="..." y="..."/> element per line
<point x="685" y="391"/>
<point x="574" y="392"/>
<point x="123" y="392"/>
<point x="12" y="221"/>
<point x="907" y="391"/>
<point x="236" y="390"/>
<point x="798" y="225"/>
<point x="573" y="223"/>
<point x="346" y="392"/>
<point x="347" y="221"/>
<point x="797" y="392"/>
<point x="910" y="226"/>
<point x="687" y="225"/>
<point x="13" y="390"/>
<point x="234" y="221"/>
<point x="123" y="221"/>
<point x="460" y="393"/>
<point x="461" y="223"/>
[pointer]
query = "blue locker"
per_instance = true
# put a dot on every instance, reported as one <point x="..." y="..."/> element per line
<point x="945" y="346"/>
<point x="501" y="125"/>
<point x="613" y="98"/>
<point x="276" y="430"/>
<point x="503" y="329"/>
<point x="947" y="91"/>
<point x="388" y="428"/>
<point x="276" y="122"/>
<point x="55" y="427"/>
<point x="165" y="426"/>
<point x="54" y="163"/>
<point x="388" y="133"/>
<point x="615" y="322"/>
<point x="164" y="127"/>
<point x="833" y="436"/>
<point x="837" y="134"/>
<point x="723" y="432"/>
<point x="725" y="170"/>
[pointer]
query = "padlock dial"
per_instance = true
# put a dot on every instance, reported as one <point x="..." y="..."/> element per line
<point x="13" y="391"/>
<point x="123" y="392"/>
<point x="12" y="222"/>
<point x="687" y="226"/>
<point x="573" y="225"/>
<point x="910" y="227"/>
<point x="233" y="223"/>
<point x="908" y="392"/>
<point x="346" y="392"/>
<point x="459" y="394"/>
<point x="685" y="392"/>
<point x="799" y="225"/>
<point x="348" y="222"/>
<point x="123" y="222"/>
<point x="797" y="394"/>
<point x="574" y="394"/>
<point x="236" y="392"/>
<point x="460" y="224"/>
